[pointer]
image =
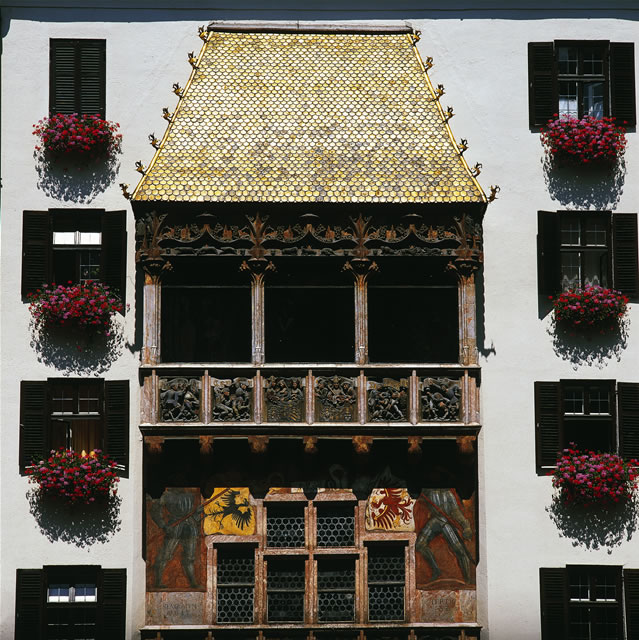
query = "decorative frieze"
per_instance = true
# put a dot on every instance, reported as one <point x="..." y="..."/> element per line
<point x="232" y="400"/>
<point x="285" y="399"/>
<point x="335" y="399"/>
<point x="180" y="399"/>
<point x="440" y="399"/>
<point x="387" y="401"/>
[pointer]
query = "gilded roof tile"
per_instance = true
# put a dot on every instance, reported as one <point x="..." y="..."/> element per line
<point x="308" y="117"/>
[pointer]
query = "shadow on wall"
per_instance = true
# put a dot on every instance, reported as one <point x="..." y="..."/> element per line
<point x="590" y="350"/>
<point x="595" y="527"/>
<point x="81" y="525"/>
<point x="79" y="182"/>
<point x="75" y="352"/>
<point x="585" y="187"/>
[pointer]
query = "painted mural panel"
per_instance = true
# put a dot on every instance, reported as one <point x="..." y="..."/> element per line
<point x="229" y="511"/>
<point x="176" y="555"/>
<point x="445" y="554"/>
<point x="390" y="510"/>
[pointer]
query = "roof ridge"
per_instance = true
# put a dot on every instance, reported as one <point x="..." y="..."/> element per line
<point x="308" y="26"/>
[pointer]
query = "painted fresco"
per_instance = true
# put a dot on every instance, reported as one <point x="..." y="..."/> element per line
<point x="390" y="510"/>
<point x="176" y="554"/>
<point x="229" y="511"/>
<point x="446" y="540"/>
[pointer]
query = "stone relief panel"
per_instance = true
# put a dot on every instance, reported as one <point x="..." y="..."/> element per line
<point x="232" y="400"/>
<point x="387" y="401"/>
<point x="285" y="399"/>
<point x="180" y="399"/>
<point x="335" y="399"/>
<point x="440" y="399"/>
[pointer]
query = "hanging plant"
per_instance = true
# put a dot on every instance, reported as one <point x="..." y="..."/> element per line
<point x="591" y="308"/>
<point x="90" y="306"/>
<point x="581" y="141"/>
<point x="75" y="477"/>
<point x="78" y="136"/>
<point x="588" y="478"/>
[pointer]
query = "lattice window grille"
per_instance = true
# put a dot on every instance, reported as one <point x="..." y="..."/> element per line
<point x="336" y="589"/>
<point x="235" y="585"/>
<point x="285" y="585"/>
<point x="285" y="526"/>
<point x="335" y="525"/>
<point x="386" y="583"/>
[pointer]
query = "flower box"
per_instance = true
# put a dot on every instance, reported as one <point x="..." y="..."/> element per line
<point x="75" y="477"/>
<point x="89" y="306"/>
<point x="80" y="137"/>
<point x="588" y="478"/>
<point x="591" y="308"/>
<point x="583" y="141"/>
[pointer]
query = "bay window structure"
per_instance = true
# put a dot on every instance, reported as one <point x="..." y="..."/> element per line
<point x="308" y="341"/>
<point x="581" y="78"/>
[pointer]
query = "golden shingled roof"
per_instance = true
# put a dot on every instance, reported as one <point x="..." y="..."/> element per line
<point x="308" y="117"/>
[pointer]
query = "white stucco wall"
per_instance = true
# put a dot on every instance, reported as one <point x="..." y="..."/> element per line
<point x="481" y="58"/>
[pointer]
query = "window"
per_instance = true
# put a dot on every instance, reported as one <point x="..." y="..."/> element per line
<point x="78" y="76"/>
<point x="577" y="249"/>
<point x="70" y="602"/>
<point x="581" y="78"/>
<point x="585" y="412"/>
<point x="79" y="414"/>
<point x="62" y="245"/>
<point x="313" y="560"/>
<point x="586" y="602"/>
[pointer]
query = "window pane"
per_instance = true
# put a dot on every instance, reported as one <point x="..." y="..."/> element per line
<point x="89" y="237"/>
<point x="567" y="58"/>
<point x="605" y="588"/>
<point x="336" y="589"/>
<point x="63" y="399"/>
<point x="599" y="401"/>
<point x="604" y="623"/>
<point x="85" y="593"/>
<point x="574" y="401"/>
<point x="335" y="525"/>
<point x="579" y="628"/>
<point x="86" y="435"/>
<point x="58" y="593"/>
<point x="570" y="231"/>
<point x="568" y="99"/>
<point x="592" y="61"/>
<point x="88" y="398"/>
<point x="596" y="268"/>
<point x="285" y="583"/>
<point x="593" y="101"/>
<point x="570" y="270"/>
<point x="589" y="434"/>
<point x="236" y="584"/>
<point x="64" y="237"/>
<point x="89" y="266"/>
<point x="285" y="525"/>
<point x="596" y="233"/>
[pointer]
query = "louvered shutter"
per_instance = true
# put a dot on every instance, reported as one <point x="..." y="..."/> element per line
<point x="624" y="249"/>
<point x="542" y="83"/>
<point x="547" y="423"/>
<point x="78" y="76"/>
<point x="30" y="593"/>
<point x="116" y="400"/>
<point x="622" y="82"/>
<point x="113" y="252"/>
<point x="36" y="250"/>
<point x="631" y="609"/>
<point x="548" y="258"/>
<point x="112" y="607"/>
<point x="553" y="603"/>
<point x="628" y="416"/>
<point x="34" y="422"/>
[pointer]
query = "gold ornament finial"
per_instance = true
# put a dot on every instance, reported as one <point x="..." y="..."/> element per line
<point x="166" y="114"/>
<point x="439" y="92"/>
<point x="428" y="63"/>
<point x="448" y="114"/>
<point x="155" y="143"/>
<point x="416" y="35"/>
<point x="201" y="31"/>
<point x="125" y="190"/>
<point x="139" y="167"/>
<point x="494" y="190"/>
<point x="192" y="58"/>
<point x="463" y="145"/>
<point x="177" y="89"/>
<point x="476" y="170"/>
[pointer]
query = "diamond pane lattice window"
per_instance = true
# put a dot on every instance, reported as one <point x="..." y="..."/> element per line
<point x="336" y="589"/>
<point x="386" y="582"/>
<point x="285" y="584"/>
<point x="285" y="525"/>
<point x="235" y="584"/>
<point x="335" y="525"/>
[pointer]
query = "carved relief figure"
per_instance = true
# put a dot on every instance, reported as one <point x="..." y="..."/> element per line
<point x="445" y="540"/>
<point x="387" y="401"/>
<point x="441" y="399"/>
<point x="180" y="399"/>
<point x="390" y="510"/>
<point x="232" y="400"/>
<point x="229" y="511"/>
<point x="285" y="399"/>
<point x="335" y="399"/>
<point x="173" y="521"/>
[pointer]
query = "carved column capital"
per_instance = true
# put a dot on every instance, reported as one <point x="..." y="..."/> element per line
<point x="310" y="444"/>
<point x="464" y="266"/>
<point x="257" y="268"/>
<point x="154" y="444"/>
<point x="362" y="444"/>
<point x="258" y="444"/>
<point x="361" y="268"/>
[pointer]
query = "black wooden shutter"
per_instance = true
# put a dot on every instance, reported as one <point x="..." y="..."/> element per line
<point x="553" y="603"/>
<point x="622" y="82"/>
<point x="548" y="258"/>
<point x="112" y="595"/>
<point x="547" y="423"/>
<point x="78" y="76"/>
<point x="628" y="416"/>
<point x="30" y="593"/>
<point x="113" y="252"/>
<point x="624" y="249"/>
<point x="542" y="83"/>
<point x="116" y="400"/>
<point x="34" y="422"/>
<point x="631" y="593"/>
<point x="36" y="250"/>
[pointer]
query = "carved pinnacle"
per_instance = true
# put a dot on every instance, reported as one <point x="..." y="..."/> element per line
<point x="428" y="63"/>
<point x="449" y="113"/>
<point x="166" y="114"/>
<point x="439" y="92"/>
<point x="155" y="143"/>
<point x="192" y="58"/>
<point x="177" y="89"/>
<point x="463" y="145"/>
<point x="476" y="170"/>
<point x="201" y="31"/>
<point x="125" y="190"/>
<point x="494" y="190"/>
